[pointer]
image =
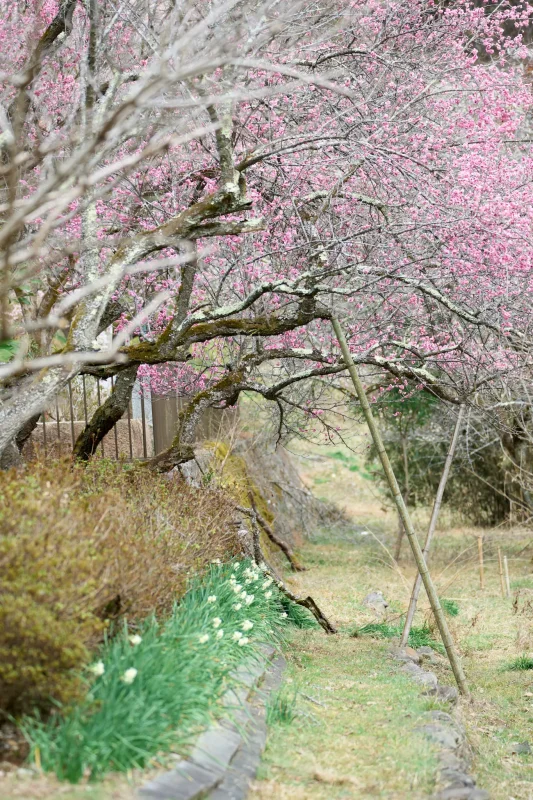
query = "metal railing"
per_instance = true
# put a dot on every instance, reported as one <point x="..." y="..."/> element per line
<point x="146" y="429"/>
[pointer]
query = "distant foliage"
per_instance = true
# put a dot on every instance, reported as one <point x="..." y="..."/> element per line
<point x="476" y="488"/>
<point x="81" y="549"/>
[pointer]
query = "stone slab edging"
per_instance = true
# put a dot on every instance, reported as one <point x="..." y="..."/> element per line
<point x="443" y="729"/>
<point x="225" y="757"/>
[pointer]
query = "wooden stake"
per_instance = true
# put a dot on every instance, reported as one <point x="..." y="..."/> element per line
<point x="502" y="582"/>
<point x="481" y="567"/>
<point x="432" y="525"/>
<point x="404" y="514"/>
<point x="506" y="571"/>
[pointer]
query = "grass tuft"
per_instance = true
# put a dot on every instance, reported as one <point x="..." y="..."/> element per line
<point x="418" y="637"/>
<point x="281" y="706"/>
<point x="378" y="630"/>
<point x="450" y="607"/>
<point x="523" y="662"/>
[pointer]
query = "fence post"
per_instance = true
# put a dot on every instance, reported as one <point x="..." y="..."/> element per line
<point x="506" y="571"/>
<point x="481" y="566"/>
<point x="502" y="582"/>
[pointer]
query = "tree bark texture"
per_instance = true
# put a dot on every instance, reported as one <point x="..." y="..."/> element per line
<point x="107" y="415"/>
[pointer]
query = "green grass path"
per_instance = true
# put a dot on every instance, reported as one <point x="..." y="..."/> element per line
<point x="354" y="714"/>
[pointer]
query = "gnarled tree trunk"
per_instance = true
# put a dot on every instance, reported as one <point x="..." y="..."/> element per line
<point x="107" y="415"/>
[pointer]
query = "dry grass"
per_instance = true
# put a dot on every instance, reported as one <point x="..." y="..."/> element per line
<point x="81" y="548"/>
<point x="354" y="734"/>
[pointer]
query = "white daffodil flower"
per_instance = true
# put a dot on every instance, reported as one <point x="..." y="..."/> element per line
<point x="97" y="669"/>
<point x="129" y="676"/>
<point x="203" y="638"/>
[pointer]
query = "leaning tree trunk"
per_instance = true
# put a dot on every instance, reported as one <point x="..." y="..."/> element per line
<point x="10" y="456"/>
<point x="107" y="415"/>
<point x="181" y="450"/>
<point x="26" y="431"/>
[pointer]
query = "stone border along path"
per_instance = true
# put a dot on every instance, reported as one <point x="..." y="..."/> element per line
<point x="226" y="756"/>
<point x="453" y="780"/>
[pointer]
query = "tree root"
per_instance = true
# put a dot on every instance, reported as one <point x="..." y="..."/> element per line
<point x="311" y="605"/>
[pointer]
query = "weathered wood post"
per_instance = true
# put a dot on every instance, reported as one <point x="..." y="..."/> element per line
<point x="506" y="571"/>
<point x="481" y="565"/>
<point x="500" y="563"/>
<point x="432" y="524"/>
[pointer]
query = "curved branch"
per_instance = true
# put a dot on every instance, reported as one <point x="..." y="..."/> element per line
<point x="254" y="514"/>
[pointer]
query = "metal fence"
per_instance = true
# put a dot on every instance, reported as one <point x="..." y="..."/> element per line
<point x="146" y="429"/>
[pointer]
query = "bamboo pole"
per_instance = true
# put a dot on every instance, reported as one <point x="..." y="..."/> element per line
<point x="432" y="524"/>
<point x="506" y="572"/>
<point x="404" y="514"/>
<point x="502" y="582"/>
<point x="481" y="565"/>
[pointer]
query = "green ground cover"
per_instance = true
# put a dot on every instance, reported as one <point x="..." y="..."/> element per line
<point x="352" y="728"/>
<point x="152" y="688"/>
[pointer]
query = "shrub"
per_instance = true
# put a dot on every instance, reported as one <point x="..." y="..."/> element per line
<point x="82" y="547"/>
<point x="153" y="691"/>
<point x="417" y="433"/>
